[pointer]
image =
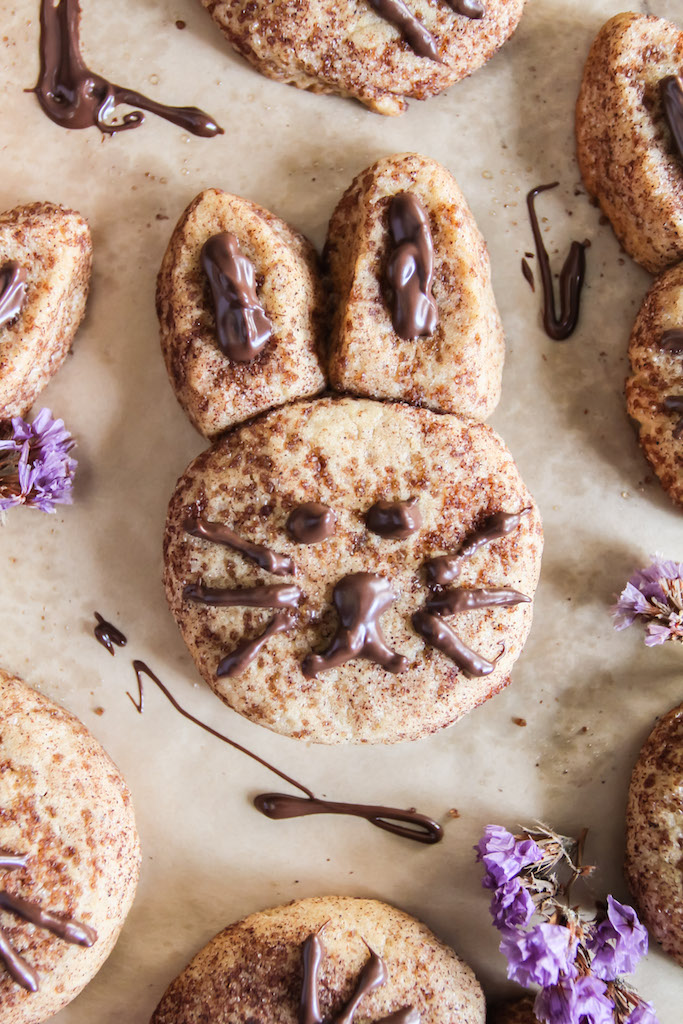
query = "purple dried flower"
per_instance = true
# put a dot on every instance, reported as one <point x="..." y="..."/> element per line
<point x="655" y="595"/>
<point x="644" y="1013"/>
<point x="618" y="943"/>
<point x="511" y="906"/>
<point x="540" y="955"/>
<point x="575" y="1001"/>
<point x="503" y="856"/>
<point x="35" y="467"/>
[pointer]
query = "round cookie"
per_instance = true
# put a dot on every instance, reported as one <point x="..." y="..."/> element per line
<point x="654" y="833"/>
<point x="67" y="816"/>
<point x="446" y="478"/>
<point x="351" y="48"/>
<point x="654" y="391"/>
<point x="253" y="970"/>
<point x="626" y="150"/>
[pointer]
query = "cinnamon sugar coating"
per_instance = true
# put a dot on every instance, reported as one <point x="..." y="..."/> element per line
<point x="347" y="47"/>
<point x="626" y="152"/>
<point x="53" y="245"/>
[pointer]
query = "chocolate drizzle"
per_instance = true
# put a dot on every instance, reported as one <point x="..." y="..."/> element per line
<point x="444" y="568"/>
<point x="416" y="35"/>
<point x="64" y="927"/>
<point x="360" y="600"/>
<point x="284" y="595"/>
<point x="218" y="533"/>
<point x="468" y="8"/>
<point x="528" y="274"/>
<point x="454" y="602"/>
<point x="73" y="96"/>
<point x="311" y="522"/>
<point x="410" y="271"/>
<point x="107" y="634"/>
<point x="280" y="806"/>
<point x="671" y="89"/>
<point x="439" y="634"/>
<point x="672" y="342"/>
<point x="242" y="327"/>
<point x="13" y="279"/>
<point x="674" y="404"/>
<point x="373" y="975"/>
<point x="571" y="277"/>
<point x="394" y="520"/>
<point x="241" y="658"/>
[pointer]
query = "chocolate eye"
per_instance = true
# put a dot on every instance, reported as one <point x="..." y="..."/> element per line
<point x="394" y="520"/>
<point x="311" y="522"/>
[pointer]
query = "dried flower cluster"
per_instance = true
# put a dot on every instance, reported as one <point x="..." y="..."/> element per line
<point x="35" y="466"/>
<point x="576" y="958"/>
<point x="655" y="596"/>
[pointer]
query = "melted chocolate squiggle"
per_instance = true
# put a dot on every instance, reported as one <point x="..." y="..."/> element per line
<point x="443" y="569"/>
<point x="241" y="658"/>
<point x="73" y="96"/>
<point x="311" y="522"/>
<point x="13" y="279"/>
<point x="468" y="8"/>
<point x="571" y="277"/>
<point x="453" y="602"/>
<point x="284" y="595"/>
<point x="278" y="805"/>
<point x="107" y="634"/>
<point x="360" y="600"/>
<point x="439" y="634"/>
<point x="394" y="520"/>
<point x="242" y="327"/>
<point x="416" y="35"/>
<point x="218" y="533"/>
<point x="671" y="89"/>
<point x="410" y="271"/>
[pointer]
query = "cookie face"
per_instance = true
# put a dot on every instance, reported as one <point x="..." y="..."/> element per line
<point x="654" y="833"/>
<point x="254" y="970"/>
<point x="654" y="390"/>
<point x="626" y="143"/>
<point x="45" y="259"/>
<point x="240" y="306"/>
<point x="409" y="613"/>
<point x="383" y="52"/>
<point x="451" y="357"/>
<point x="69" y="855"/>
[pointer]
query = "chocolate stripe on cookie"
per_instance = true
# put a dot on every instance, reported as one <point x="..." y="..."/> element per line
<point x="12" y="292"/>
<point x="243" y="655"/>
<point x="218" y="533"/>
<point x="443" y="569"/>
<point x="415" y="33"/>
<point x="284" y="595"/>
<point x="410" y="271"/>
<point x="671" y="89"/>
<point x="439" y="634"/>
<point x="242" y="327"/>
<point x="674" y="404"/>
<point x="453" y="602"/>
<point x="672" y="342"/>
<point x="468" y="8"/>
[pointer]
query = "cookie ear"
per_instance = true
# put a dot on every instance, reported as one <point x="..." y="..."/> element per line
<point x="45" y="260"/>
<point x="625" y="145"/>
<point x="281" y="311"/>
<point x="457" y="367"/>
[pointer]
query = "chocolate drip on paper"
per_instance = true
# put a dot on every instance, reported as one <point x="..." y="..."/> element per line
<point x="407" y="824"/>
<point x="218" y="533"/>
<point x="285" y="595"/>
<point x="279" y="805"/>
<point x="241" y="658"/>
<point x="416" y="35"/>
<point x="107" y="634"/>
<point x="674" y="403"/>
<point x="439" y="634"/>
<point x="671" y="89"/>
<point x="410" y="271"/>
<point x="242" y="327"/>
<point x="395" y="520"/>
<point x="311" y="522"/>
<point x="571" y="277"/>
<point x="672" y="341"/>
<point x="453" y="602"/>
<point x="73" y="96"/>
<point x="13" y="279"/>
<point x="468" y="8"/>
<point x="443" y="569"/>
<point x="528" y="274"/>
<point x="360" y="600"/>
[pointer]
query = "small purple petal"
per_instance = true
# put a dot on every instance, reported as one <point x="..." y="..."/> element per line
<point x="540" y="955"/>
<point x="511" y="906"/>
<point x="575" y="1001"/>
<point x="619" y="942"/>
<point x="503" y="856"/>
<point x="644" y="1013"/>
<point x="657" y="634"/>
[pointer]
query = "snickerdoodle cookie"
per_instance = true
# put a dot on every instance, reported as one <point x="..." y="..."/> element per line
<point x="654" y="833"/>
<point x="654" y="391"/>
<point x="69" y="855"/>
<point x="240" y="306"/>
<point x="45" y="258"/>
<point x="415" y="317"/>
<point x="346" y="570"/>
<point x="327" y="954"/>
<point x="629" y="129"/>
<point x="383" y="52"/>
